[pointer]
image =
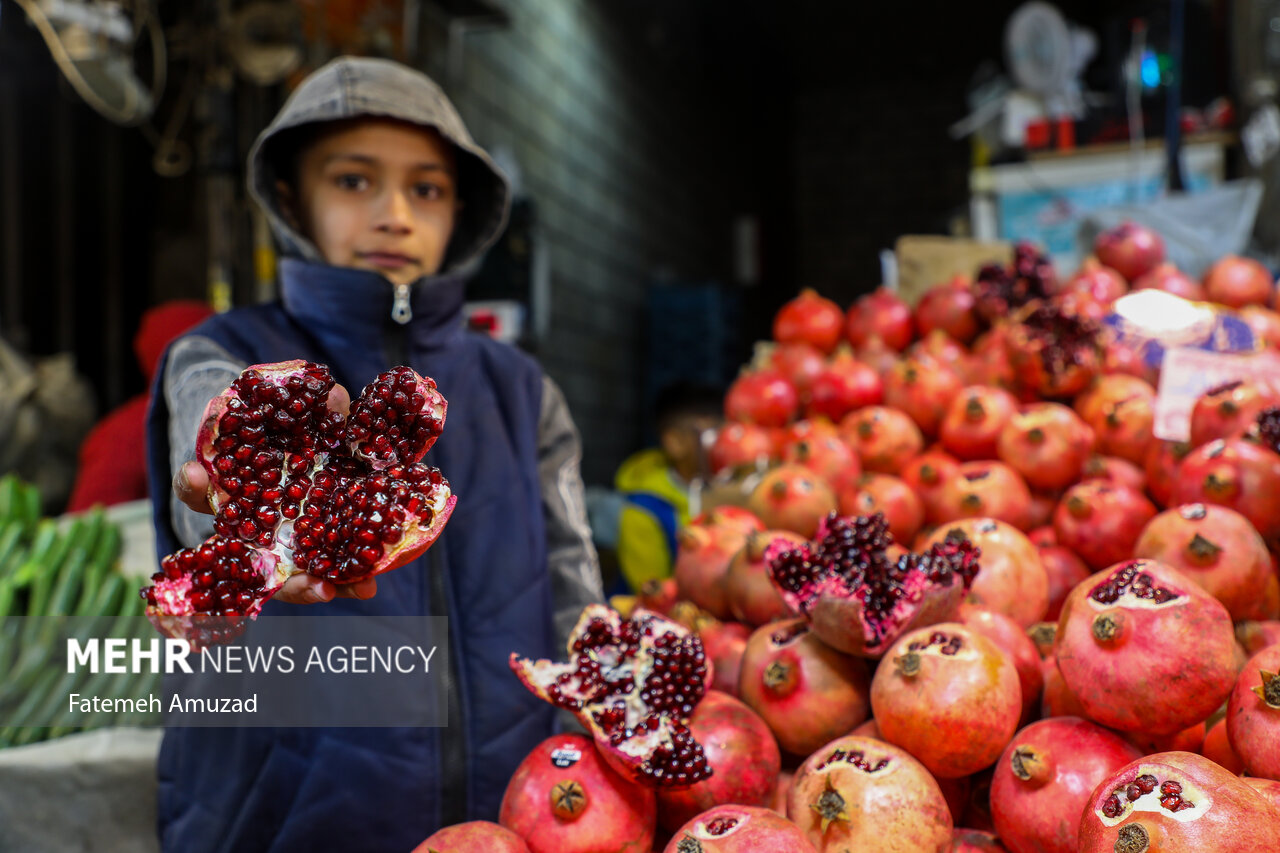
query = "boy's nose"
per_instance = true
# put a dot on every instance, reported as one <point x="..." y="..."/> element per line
<point x="396" y="214"/>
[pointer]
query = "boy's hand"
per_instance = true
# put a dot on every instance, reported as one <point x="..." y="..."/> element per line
<point x="191" y="485"/>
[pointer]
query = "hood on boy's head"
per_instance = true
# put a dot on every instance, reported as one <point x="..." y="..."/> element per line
<point x="349" y="87"/>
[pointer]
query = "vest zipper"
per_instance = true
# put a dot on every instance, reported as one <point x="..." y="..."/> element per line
<point x="401" y="310"/>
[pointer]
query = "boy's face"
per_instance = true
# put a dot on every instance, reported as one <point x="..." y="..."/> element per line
<point x="378" y="195"/>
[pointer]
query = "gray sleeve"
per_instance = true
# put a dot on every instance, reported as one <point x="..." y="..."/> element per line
<point x="197" y="371"/>
<point x="571" y="555"/>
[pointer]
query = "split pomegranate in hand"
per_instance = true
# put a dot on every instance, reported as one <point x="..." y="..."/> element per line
<point x="810" y="319"/>
<point x="867" y="795"/>
<point x="1044" y="779"/>
<point x="298" y="487"/>
<point x="859" y="599"/>
<point x="633" y="683"/>
<point x="1145" y="649"/>
<point x="739" y="829"/>
<point x="1130" y="249"/>
<point x="471" y="836"/>
<point x="1253" y="714"/>
<point x="564" y="798"/>
<point x="949" y="696"/>
<point x="1176" y="801"/>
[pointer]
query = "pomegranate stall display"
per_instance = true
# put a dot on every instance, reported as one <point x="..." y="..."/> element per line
<point x="298" y="485"/>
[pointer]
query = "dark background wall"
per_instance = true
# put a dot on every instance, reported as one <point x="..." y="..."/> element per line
<point x="642" y="129"/>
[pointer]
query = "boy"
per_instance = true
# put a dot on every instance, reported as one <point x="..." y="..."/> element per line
<point x="381" y="202"/>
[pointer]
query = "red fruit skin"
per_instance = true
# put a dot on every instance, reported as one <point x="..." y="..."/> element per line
<point x="898" y="807"/>
<point x="800" y="364"/>
<point x="1217" y="548"/>
<point x="975" y="841"/>
<point x="954" y="712"/>
<point x="1121" y="410"/>
<point x="873" y="493"/>
<point x="878" y="355"/>
<point x="1228" y="410"/>
<point x="1101" y="521"/>
<point x="1092" y="291"/>
<point x="743" y="756"/>
<point x="1217" y="748"/>
<point x="809" y="319"/>
<point x="752" y="829"/>
<point x="1234" y="473"/>
<point x="703" y="552"/>
<point x="1235" y="282"/>
<point x="1044" y="779"/>
<point x="974" y="420"/>
<point x="922" y="387"/>
<point x="1058" y="700"/>
<point x="740" y="446"/>
<point x="752" y="597"/>
<point x="880" y="314"/>
<point x="1011" y="579"/>
<point x="1011" y="639"/>
<point x="1064" y="570"/>
<point x="948" y="307"/>
<point x="1170" y="279"/>
<point x="791" y="497"/>
<point x="763" y="397"/>
<point x="1253" y="720"/>
<point x="927" y="475"/>
<point x="619" y="815"/>
<point x="1139" y="666"/>
<point x="1025" y="354"/>
<point x="828" y="457"/>
<point x="986" y="490"/>
<point x="1256" y="636"/>
<point x="806" y="692"/>
<point x="1048" y="444"/>
<point x="781" y="791"/>
<point x="471" y="836"/>
<point x="844" y="385"/>
<point x="1238" y="819"/>
<point x="724" y="644"/>
<point x="1161" y="465"/>
<point x="1264" y="322"/>
<point x="1040" y="508"/>
<point x="1113" y="469"/>
<point x="1190" y="739"/>
<point x="1268" y="788"/>
<point x="1130" y="249"/>
<point x="884" y="438"/>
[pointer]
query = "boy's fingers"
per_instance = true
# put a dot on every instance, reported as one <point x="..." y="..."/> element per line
<point x="191" y="485"/>
<point x="366" y="588"/>
<point x="339" y="400"/>
<point x="306" y="589"/>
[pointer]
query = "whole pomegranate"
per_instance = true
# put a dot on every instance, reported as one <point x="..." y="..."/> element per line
<point x="1130" y="249"/>
<point x="739" y="829"/>
<point x="1063" y="569"/>
<point x="975" y="841"/>
<point x="857" y="596"/>
<point x="1190" y="739"/>
<point x="1253" y="714"/>
<point x="751" y="595"/>
<point x="800" y="363"/>
<point x="1101" y="522"/>
<point x="703" y="550"/>
<point x="1263" y="322"/>
<point x="1228" y="410"/>
<point x="986" y="490"/>
<point x="739" y="445"/>
<point x="949" y="307"/>
<point x="948" y="696"/>
<point x="724" y="644"/>
<point x="807" y="692"/>
<point x="1047" y="444"/>
<point x="1043" y="780"/>
<point x="743" y="757"/>
<point x="1176" y="801"/>
<point x="1121" y="411"/>
<point x="1113" y="469"/>
<point x="1235" y="282"/>
<point x="881" y="314"/>
<point x="1058" y="700"/>
<point x="763" y="396"/>
<point x="1217" y="548"/>
<point x="990" y="362"/>
<point x="1011" y="639"/>
<point x="941" y="347"/>
<point x="1217" y="748"/>
<point x="976" y="416"/>
<point x="633" y="683"/>
<point x="1170" y="279"/>
<point x="884" y="438"/>
<point x="1095" y="283"/>
<point x="927" y="474"/>
<point x="888" y="495"/>
<point x="791" y="497"/>
<point x="922" y="387"/>
<point x="1256" y="636"/>
<point x="809" y="319"/>
<point x="1054" y="354"/>
<point x="564" y="798"/>
<point x="1145" y="649"/>
<point x="471" y="836"/>
<point x="861" y="794"/>
<point x="827" y="456"/>
<point x="1011" y="579"/>
<point x="844" y="385"/>
<point x="878" y="355"/>
<point x="1161" y="465"/>
<point x="298" y="487"/>
<point x="1236" y="473"/>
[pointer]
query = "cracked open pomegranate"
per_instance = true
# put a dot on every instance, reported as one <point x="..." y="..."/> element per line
<point x="299" y="487"/>
<point x="857" y="598"/>
<point x="633" y="683"/>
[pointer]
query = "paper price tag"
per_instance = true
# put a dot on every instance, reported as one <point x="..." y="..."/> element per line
<point x="1186" y="373"/>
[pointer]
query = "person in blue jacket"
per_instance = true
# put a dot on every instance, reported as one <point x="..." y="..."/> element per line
<point x="381" y="203"/>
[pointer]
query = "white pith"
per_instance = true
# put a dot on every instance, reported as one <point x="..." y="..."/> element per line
<point x="1151" y="802"/>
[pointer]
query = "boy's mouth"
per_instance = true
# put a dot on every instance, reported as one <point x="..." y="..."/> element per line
<point x="386" y="260"/>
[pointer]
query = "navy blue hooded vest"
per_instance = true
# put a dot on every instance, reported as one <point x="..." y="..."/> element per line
<point x="378" y="789"/>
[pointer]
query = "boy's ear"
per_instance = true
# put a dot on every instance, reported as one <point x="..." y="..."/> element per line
<point x="288" y="204"/>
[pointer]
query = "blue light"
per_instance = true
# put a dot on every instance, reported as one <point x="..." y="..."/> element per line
<point x="1150" y="70"/>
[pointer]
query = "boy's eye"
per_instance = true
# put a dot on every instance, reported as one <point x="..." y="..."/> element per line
<point x="352" y="182"/>
<point x="428" y="191"/>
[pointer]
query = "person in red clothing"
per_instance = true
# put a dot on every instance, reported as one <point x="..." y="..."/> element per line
<point x="113" y="457"/>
